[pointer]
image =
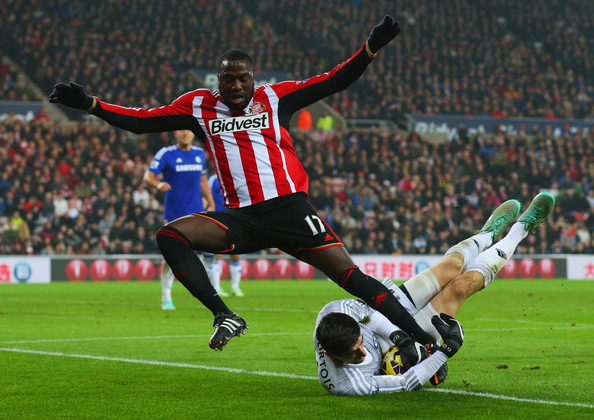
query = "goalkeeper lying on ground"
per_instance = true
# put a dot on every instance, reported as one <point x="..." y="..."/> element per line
<point x="351" y="337"/>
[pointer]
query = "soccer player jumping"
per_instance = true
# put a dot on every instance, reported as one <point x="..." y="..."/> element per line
<point x="245" y="129"/>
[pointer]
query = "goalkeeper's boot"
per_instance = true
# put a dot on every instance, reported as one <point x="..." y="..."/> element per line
<point x="236" y="291"/>
<point x="226" y="326"/>
<point x="503" y="216"/>
<point x="540" y="207"/>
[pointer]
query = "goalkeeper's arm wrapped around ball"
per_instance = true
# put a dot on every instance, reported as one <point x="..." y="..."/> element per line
<point x="351" y="339"/>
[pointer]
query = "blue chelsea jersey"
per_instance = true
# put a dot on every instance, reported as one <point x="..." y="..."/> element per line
<point x="217" y="194"/>
<point x="182" y="170"/>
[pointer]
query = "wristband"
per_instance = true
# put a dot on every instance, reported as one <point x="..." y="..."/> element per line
<point x="93" y="105"/>
<point x="368" y="50"/>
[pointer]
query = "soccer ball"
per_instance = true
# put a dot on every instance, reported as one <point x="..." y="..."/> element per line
<point x="392" y="362"/>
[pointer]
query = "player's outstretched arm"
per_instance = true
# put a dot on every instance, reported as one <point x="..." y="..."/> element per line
<point x="297" y="95"/>
<point x="176" y="116"/>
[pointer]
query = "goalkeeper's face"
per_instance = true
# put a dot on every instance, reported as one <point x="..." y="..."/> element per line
<point x="236" y="83"/>
<point x="354" y="355"/>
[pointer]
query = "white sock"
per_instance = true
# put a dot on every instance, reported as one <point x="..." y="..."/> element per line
<point x="235" y="273"/>
<point x="516" y="233"/>
<point x="166" y="282"/>
<point x="423" y="318"/>
<point x="215" y="274"/>
<point x="208" y="261"/>
<point x="490" y="262"/>
<point x="470" y="248"/>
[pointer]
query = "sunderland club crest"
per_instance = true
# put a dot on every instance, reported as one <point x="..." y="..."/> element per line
<point x="256" y="108"/>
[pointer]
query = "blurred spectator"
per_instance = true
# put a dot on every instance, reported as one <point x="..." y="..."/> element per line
<point x="304" y="120"/>
<point x="325" y="122"/>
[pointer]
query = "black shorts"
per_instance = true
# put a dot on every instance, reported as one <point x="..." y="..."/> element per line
<point x="290" y="223"/>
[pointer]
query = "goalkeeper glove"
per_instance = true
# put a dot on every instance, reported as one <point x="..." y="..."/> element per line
<point x="451" y="331"/>
<point x="411" y="352"/>
<point x="72" y="95"/>
<point x="383" y="33"/>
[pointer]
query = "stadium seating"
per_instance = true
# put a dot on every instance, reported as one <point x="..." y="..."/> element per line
<point x="464" y="57"/>
<point x="382" y="191"/>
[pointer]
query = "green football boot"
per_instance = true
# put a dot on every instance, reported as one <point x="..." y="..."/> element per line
<point x="540" y="207"/>
<point x="503" y="216"/>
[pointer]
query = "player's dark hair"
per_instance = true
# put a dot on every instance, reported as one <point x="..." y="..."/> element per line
<point x="338" y="333"/>
<point x="234" y="55"/>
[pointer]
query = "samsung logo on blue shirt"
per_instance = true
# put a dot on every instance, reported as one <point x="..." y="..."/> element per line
<point x="188" y="168"/>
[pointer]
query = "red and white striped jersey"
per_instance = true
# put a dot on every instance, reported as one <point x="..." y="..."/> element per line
<point x="251" y="150"/>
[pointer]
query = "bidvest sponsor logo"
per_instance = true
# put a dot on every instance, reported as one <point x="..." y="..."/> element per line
<point x="230" y="125"/>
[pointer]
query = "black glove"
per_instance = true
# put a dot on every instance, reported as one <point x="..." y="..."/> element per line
<point x="383" y="33"/>
<point x="411" y="352"/>
<point x="71" y="95"/>
<point x="451" y="331"/>
<point x="442" y="373"/>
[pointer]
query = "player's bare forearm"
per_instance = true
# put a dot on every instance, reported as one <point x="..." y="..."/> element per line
<point x="150" y="179"/>
<point x="207" y="193"/>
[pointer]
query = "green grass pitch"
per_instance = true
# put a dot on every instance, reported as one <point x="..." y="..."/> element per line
<point x="106" y="350"/>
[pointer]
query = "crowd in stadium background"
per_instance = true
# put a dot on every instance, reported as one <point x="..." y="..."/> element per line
<point x="78" y="188"/>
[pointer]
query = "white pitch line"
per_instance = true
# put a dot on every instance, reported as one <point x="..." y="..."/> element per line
<point x="505" y="397"/>
<point x="157" y="363"/>
<point x="280" y="375"/>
